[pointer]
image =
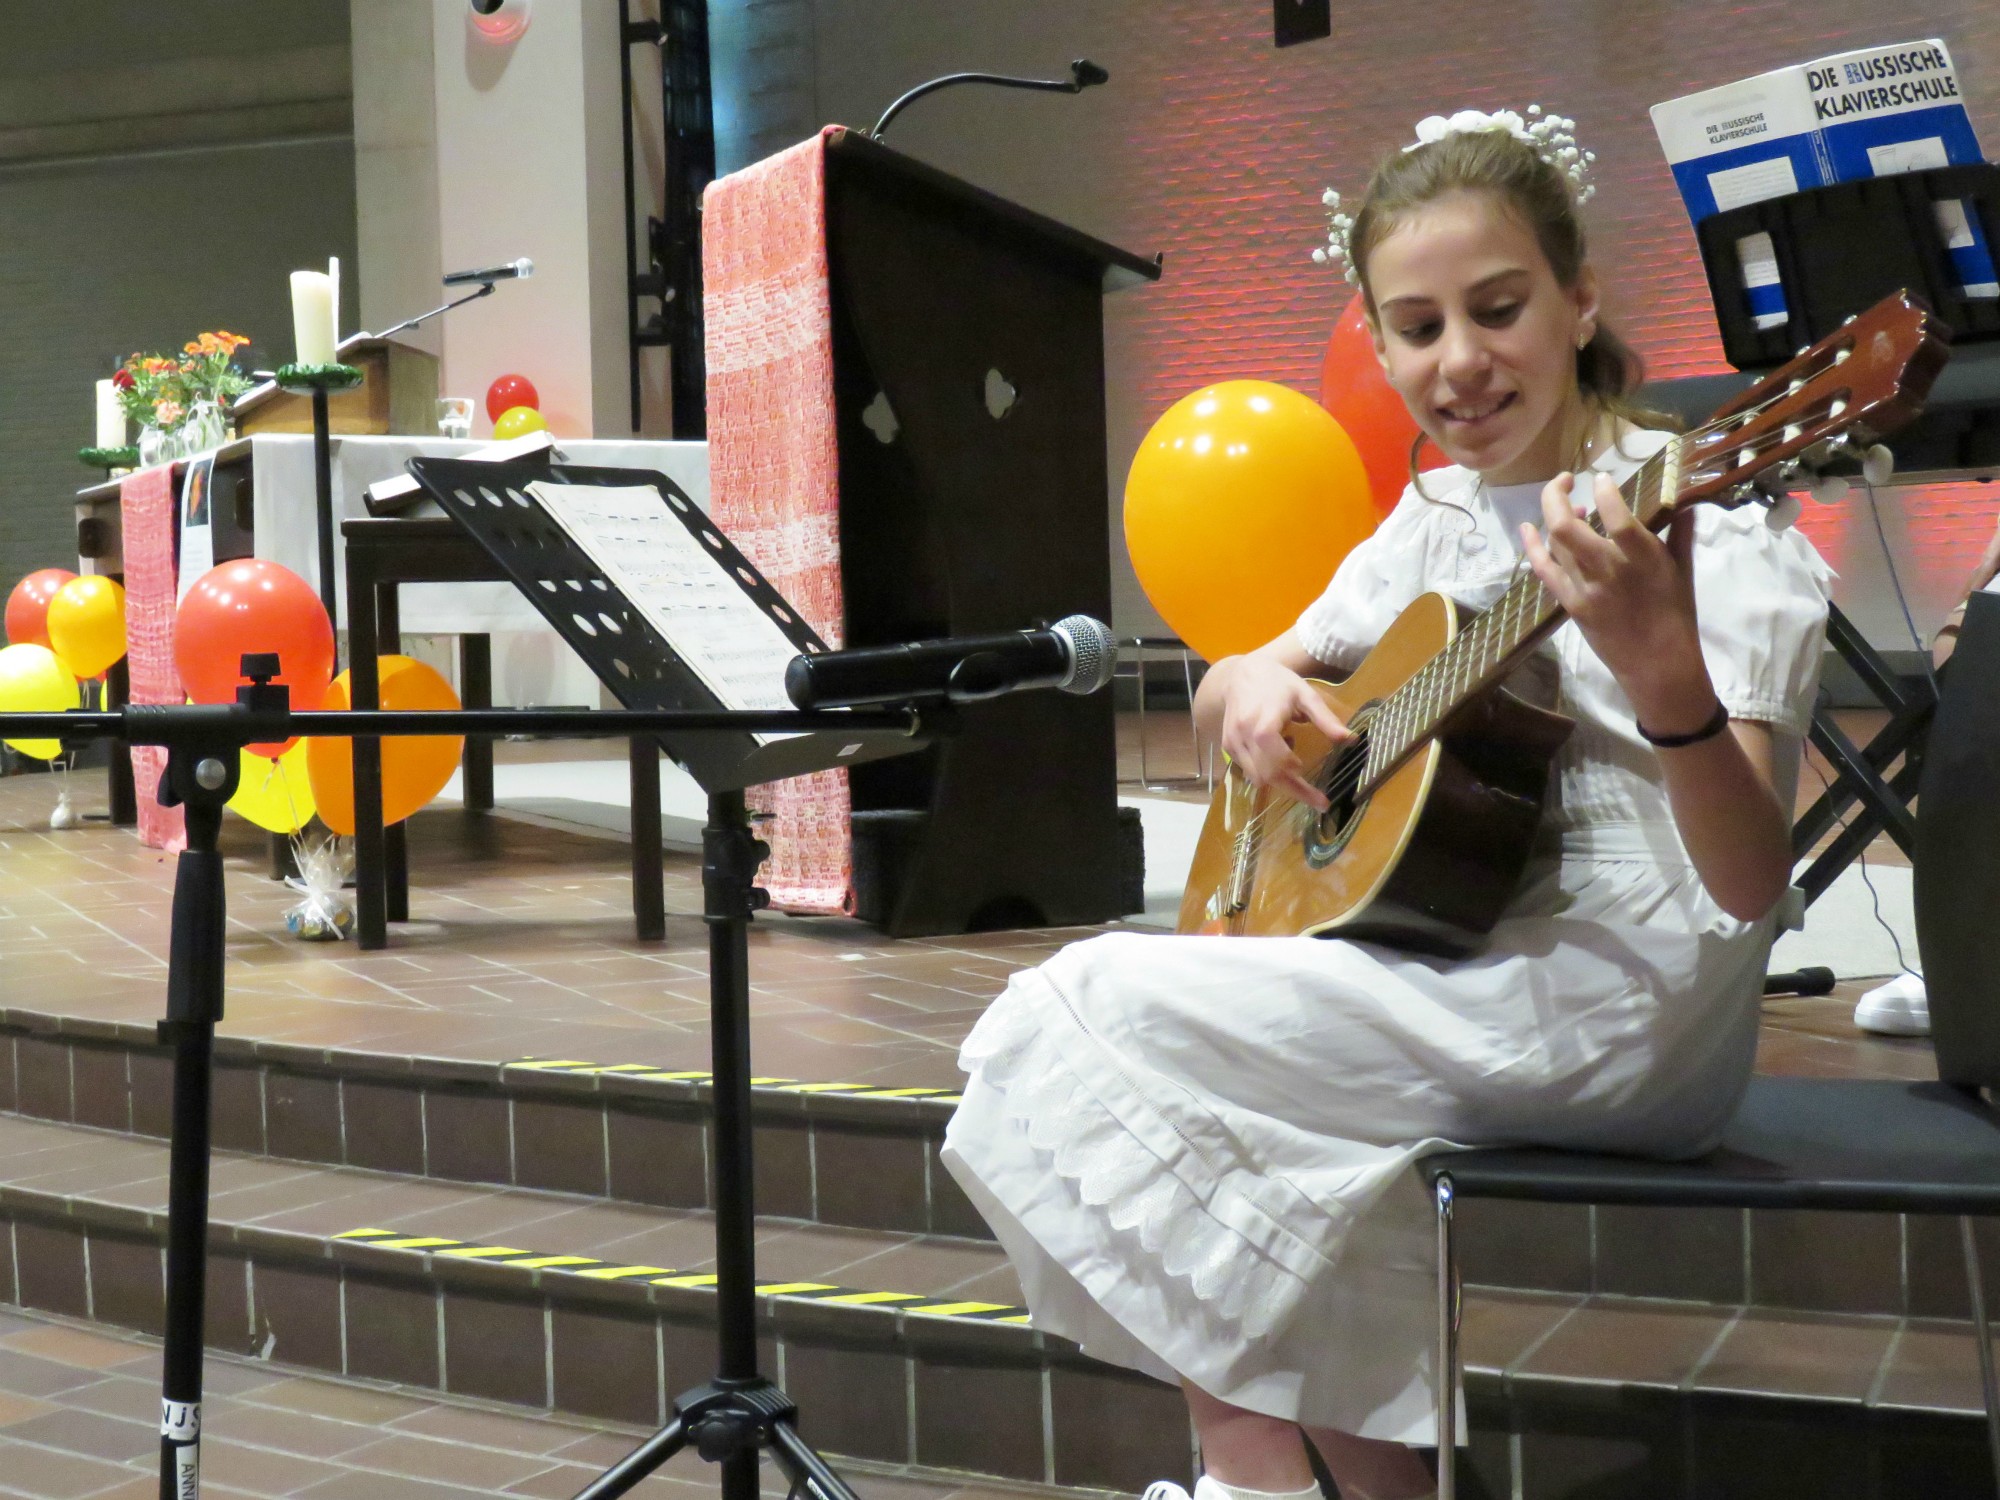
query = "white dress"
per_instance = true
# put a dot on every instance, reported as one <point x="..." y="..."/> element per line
<point x="1197" y="1150"/>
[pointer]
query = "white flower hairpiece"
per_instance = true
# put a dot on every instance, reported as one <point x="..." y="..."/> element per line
<point x="1552" y="136"/>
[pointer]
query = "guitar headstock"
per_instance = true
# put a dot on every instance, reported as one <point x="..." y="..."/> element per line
<point x="1854" y="387"/>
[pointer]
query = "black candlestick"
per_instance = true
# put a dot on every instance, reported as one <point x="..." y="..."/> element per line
<point x="319" y="382"/>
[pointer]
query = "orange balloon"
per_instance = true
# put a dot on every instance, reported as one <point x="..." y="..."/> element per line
<point x="28" y="606"/>
<point x="1241" y="502"/>
<point x="1353" y="388"/>
<point x="415" y="768"/>
<point x="253" y="604"/>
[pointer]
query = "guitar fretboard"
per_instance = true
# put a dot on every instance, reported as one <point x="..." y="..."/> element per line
<point x="1487" y="650"/>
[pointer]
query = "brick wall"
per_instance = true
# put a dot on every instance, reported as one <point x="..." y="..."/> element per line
<point x="1212" y="146"/>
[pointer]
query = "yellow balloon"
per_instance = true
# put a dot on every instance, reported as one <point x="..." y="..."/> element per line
<point x="32" y="681"/>
<point x="87" y="624"/>
<point x="415" y="768"/>
<point x="1241" y="502"/>
<point x="275" y="794"/>
<point x="518" y="421"/>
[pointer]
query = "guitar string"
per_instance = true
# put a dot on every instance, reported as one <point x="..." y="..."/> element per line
<point x="1352" y="756"/>
<point x="1448" y="663"/>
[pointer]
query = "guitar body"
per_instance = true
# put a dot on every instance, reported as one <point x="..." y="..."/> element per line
<point x="1425" y="844"/>
<point x="1428" y="861"/>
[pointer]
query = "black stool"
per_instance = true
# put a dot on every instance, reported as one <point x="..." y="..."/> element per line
<point x="1836" y="1143"/>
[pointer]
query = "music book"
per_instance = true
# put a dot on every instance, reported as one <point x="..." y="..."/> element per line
<point x="656" y="599"/>
<point x="681" y="584"/>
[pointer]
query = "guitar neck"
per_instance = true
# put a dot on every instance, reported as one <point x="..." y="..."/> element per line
<point x="1488" y="650"/>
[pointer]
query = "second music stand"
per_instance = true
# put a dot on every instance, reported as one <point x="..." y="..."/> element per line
<point x="729" y="1418"/>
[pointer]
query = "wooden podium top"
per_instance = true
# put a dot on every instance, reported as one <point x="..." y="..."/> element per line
<point x="398" y="394"/>
<point x="913" y="179"/>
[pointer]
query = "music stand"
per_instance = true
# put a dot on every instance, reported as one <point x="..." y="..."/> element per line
<point x="730" y="1417"/>
<point x="739" y="1411"/>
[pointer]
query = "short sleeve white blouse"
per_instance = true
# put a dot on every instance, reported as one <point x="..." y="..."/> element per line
<point x="1760" y="598"/>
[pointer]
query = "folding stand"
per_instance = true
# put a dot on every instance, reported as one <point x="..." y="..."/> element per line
<point x="1858" y="770"/>
<point x="731" y="1417"/>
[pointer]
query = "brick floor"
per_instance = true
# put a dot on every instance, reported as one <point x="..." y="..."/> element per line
<point x="79" y="1418"/>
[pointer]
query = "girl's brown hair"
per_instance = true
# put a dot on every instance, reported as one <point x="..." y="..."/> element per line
<point x="1608" y="370"/>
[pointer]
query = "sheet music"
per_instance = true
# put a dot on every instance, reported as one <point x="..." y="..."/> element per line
<point x="680" y="586"/>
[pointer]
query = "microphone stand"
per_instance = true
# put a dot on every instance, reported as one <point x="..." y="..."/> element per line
<point x="1083" y="74"/>
<point x="485" y="289"/>
<point x="729" y="1418"/>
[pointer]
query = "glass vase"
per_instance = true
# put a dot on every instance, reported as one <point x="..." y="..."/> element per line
<point x="204" y="429"/>
<point x="153" y="447"/>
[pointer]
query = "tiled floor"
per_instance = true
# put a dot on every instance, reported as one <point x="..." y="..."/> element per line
<point x="79" y="1418"/>
<point x="522" y="945"/>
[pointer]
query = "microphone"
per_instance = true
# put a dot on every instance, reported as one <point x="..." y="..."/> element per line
<point x="523" y="268"/>
<point x="1074" y="655"/>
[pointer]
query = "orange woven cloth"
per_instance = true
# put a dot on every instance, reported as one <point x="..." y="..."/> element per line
<point x="148" y="513"/>
<point x="774" y="483"/>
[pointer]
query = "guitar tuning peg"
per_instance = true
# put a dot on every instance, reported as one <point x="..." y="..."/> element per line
<point x="1783" y="512"/>
<point x="1877" y="465"/>
<point x="1829" y="489"/>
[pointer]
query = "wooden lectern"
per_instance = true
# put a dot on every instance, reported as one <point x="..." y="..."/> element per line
<point x="398" y="393"/>
<point x="968" y="341"/>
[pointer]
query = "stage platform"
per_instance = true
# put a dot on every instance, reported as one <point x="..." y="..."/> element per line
<point x="476" y="1163"/>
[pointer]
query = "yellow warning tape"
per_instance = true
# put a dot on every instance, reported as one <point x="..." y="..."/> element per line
<point x="600" y="1270"/>
<point x="583" y="1068"/>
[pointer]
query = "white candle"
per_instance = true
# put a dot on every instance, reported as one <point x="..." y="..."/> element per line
<point x="333" y="275"/>
<point x="312" y="318"/>
<point x="110" y="416"/>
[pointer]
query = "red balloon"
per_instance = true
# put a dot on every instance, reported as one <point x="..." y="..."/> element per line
<point x="1353" y="387"/>
<point x="510" y="391"/>
<point x="253" y="605"/>
<point x="28" y="606"/>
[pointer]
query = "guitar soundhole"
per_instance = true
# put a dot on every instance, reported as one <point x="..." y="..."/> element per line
<point x="1326" y="834"/>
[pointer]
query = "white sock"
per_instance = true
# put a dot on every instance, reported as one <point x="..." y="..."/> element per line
<point x="1207" y="1488"/>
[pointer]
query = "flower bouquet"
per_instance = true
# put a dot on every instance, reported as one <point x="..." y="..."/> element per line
<point x="179" y="401"/>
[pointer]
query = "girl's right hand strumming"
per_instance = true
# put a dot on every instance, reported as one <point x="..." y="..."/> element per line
<point x="1262" y="698"/>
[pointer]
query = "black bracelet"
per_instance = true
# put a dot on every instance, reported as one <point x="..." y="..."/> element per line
<point x="1717" y="722"/>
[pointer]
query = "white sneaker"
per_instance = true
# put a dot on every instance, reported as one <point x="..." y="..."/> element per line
<point x="1899" y="1008"/>
<point x="1164" y="1489"/>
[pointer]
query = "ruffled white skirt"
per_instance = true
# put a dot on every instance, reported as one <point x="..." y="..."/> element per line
<point x="1197" y="1151"/>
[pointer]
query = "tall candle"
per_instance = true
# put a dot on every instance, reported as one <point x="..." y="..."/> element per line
<point x="333" y="275"/>
<point x="313" y="337"/>
<point x="110" y="416"/>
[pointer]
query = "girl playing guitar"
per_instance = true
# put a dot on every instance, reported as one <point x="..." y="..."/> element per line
<point x="1197" y="1150"/>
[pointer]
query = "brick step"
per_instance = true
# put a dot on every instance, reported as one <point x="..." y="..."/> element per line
<point x="551" y="1302"/>
<point x="868" y="1159"/>
<point x="1902" y="1265"/>
<point x="828" y="1152"/>
<point x="1573" y="1396"/>
<point x="596" y="1309"/>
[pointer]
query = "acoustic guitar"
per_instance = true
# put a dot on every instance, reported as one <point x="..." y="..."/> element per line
<point x="1436" y="797"/>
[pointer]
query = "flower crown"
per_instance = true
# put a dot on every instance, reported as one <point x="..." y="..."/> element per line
<point x="1553" y="138"/>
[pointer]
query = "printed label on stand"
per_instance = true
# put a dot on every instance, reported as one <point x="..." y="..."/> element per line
<point x="187" y="1473"/>
<point x="1761" y="287"/>
<point x="180" y="1421"/>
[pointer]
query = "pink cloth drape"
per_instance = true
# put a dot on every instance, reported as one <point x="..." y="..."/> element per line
<point x="148" y="508"/>
<point x="773" y="462"/>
